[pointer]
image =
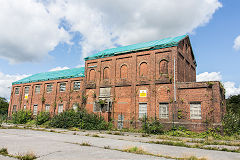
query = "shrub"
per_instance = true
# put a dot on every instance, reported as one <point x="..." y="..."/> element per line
<point x="80" y="119"/>
<point x="42" y="117"/>
<point x="153" y="126"/>
<point x="22" y="117"/>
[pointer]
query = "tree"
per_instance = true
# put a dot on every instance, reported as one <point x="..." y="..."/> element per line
<point x="3" y="106"/>
<point x="231" y="121"/>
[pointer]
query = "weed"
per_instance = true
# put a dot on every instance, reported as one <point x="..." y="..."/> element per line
<point x="3" y="151"/>
<point x="135" y="150"/>
<point x="106" y="147"/>
<point x="85" y="144"/>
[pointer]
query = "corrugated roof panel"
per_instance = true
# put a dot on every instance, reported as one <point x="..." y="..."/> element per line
<point x="157" y="44"/>
<point x="54" y="75"/>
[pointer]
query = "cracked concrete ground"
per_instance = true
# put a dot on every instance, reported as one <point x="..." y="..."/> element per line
<point x="63" y="146"/>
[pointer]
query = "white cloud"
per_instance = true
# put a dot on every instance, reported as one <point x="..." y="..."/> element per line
<point x="6" y="83"/>
<point x="230" y="87"/>
<point x="29" y="29"/>
<point x="58" y="68"/>
<point x="237" y="43"/>
<point x="213" y="76"/>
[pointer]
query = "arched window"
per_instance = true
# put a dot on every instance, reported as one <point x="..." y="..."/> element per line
<point x="163" y="67"/>
<point x="92" y="75"/>
<point x="124" y="71"/>
<point x="143" y="69"/>
<point x="106" y="73"/>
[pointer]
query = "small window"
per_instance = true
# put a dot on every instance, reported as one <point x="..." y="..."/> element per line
<point x="76" y="85"/>
<point x="75" y="106"/>
<point x="47" y="107"/>
<point x="163" y="110"/>
<point x="14" y="109"/>
<point x="35" y="109"/>
<point x="24" y="107"/>
<point x="62" y="87"/>
<point x="195" y="110"/>
<point x="142" y="110"/>
<point x="49" y="88"/>
<point x="17" y="90"/>
<point x="37" y="89"/>
<point x="60" y="108"/>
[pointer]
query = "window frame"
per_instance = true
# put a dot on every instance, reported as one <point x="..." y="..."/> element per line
<point x="195" y="113"/>
<point x="51" y="88"/>
<point x="163" y="115"/>
<point x="36" y="91"/>
<point x="76" y="88"/>
<point x="60" y="86"/>
<point x="61" y="108"/>
<point x="17" y="89"/>
<point x="142" y="114"/>
<point x="47" y="105"/>
<point x="35" y="110"/>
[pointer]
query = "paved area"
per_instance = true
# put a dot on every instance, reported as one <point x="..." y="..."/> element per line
<point x="64" y="146"/>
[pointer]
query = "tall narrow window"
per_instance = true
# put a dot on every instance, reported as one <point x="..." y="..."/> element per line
<point x="163" y="110"/>
<point x="92" y="75"/>
<point x="60" y="108"/>
<point x="47" y="107"/>
<point x="24" y="107"/>
<point x="37" y="89"/>
<point x="49" y="88"/>
<point x="142" y="110"/>
<point x="163" y="67"/>
<point x="62" y="87"/>
<point x="76" y="85"/>
<point x="17" y="90"/>
<point x="35" y="109"/>
<point x="106" y="73"/>
<point x="143" y="69"/>
<point x="26" y="92"/>
<point x="14" y="109"/>
<point x="124" y="72"/>
<point x="75" y="106"/>
<point x="195" y="110"/>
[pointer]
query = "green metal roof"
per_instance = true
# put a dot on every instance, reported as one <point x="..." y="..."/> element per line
<point x="157" y="44"/>
<point x="45" y="76"/>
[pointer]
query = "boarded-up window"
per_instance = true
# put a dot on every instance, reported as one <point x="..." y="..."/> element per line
<point x="124" y="72"/>
<point x="106" y="73"/>
<point x="92" y="75"/>
<point x="105" y="92"/>
<point x="163" y="67"/>
<point x="163" y="110"/>
<point x="142" y="110"/>
<point x="195" y="110"/>
<point x="143" y="69"/>
<point x="60" y="108"/>
<point x="35" y="109"/>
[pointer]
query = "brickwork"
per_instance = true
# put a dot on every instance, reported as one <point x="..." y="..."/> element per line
<point x="137" y="80"/>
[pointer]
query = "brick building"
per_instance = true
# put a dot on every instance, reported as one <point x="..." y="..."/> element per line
<point x="156" y="79"/>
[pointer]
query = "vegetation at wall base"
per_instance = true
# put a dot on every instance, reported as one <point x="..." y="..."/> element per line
<point x="22" y="117"/>
<point x="80" y="119"/>
<point x="42" y="118"/>
<point x="152" y="126"/>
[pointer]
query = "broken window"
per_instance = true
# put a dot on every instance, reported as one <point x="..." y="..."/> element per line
<point x="76" y="85"/>
<point x="62" y="87"/>
<point x="49" y="88"/>
<point x="163" y="110"/>
<point x="195" y="110"/>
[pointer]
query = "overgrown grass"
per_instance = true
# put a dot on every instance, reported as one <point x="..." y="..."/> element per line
<point x="4" y="151"/>
<point x="85" y="144"/>
<point x="136" y="150"/>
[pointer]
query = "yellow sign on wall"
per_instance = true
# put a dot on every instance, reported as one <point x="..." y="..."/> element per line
<point x="143" y="93"/>
<point x="26" y="96"/>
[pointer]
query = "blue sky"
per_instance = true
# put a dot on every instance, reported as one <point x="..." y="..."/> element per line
<point x="58" y="34"/>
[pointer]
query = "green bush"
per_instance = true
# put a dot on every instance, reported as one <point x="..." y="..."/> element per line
<point x="152" y="127"/>
<point x="80" y="119"/>
<point x="22" y="117"/>
<point x="42" y="117"/>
